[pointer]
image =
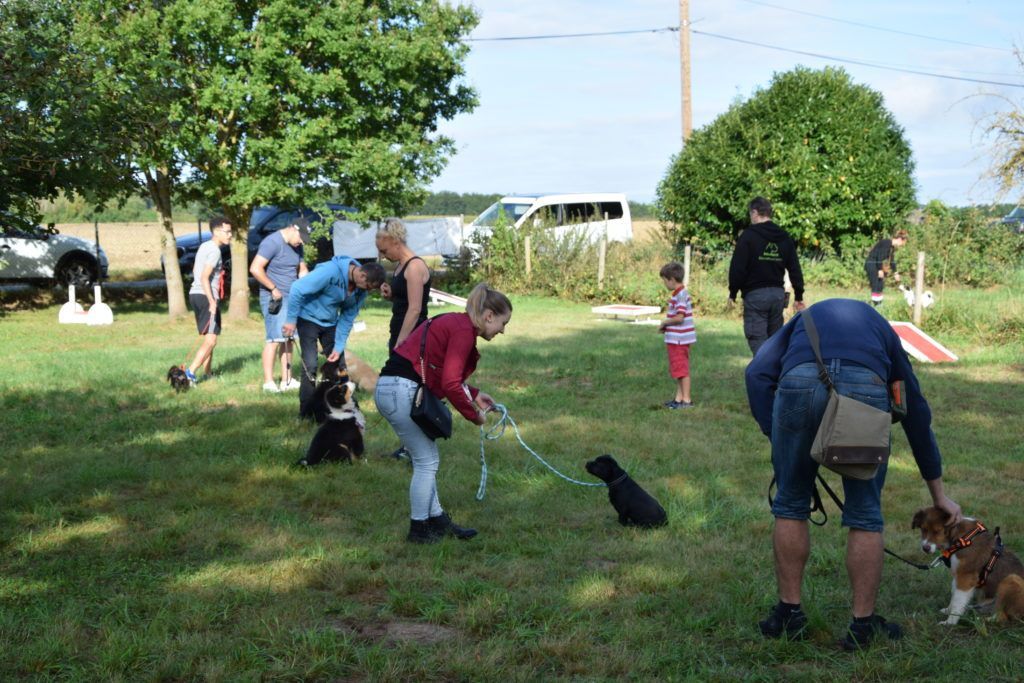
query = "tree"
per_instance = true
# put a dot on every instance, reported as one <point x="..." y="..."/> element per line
<point x="292" y="102"/>
<point x="55" y="130"/>
<point x="1008" y="130"/>
<point x="824" y="150"/>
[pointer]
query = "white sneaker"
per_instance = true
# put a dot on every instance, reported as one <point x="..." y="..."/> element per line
<point x="270" y="388"/>
<point x="292" y="385"/>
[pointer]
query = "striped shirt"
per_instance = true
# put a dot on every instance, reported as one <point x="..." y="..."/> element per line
<point x="680" y="305"/>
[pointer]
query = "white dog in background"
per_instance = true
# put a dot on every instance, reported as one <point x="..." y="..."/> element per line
<point x="927" y="298"/>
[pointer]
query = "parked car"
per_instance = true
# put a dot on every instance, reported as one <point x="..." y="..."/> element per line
<point x="32" y="253"/>
<point x="562" y="214"/>
<point x="265" y="221"/>
<point x="1015" y="220"/>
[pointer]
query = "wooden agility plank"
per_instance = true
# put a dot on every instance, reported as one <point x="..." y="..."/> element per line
<point x="439" y="297"/>
<point x="627" y="311"/>
<point x="920" y="345"/>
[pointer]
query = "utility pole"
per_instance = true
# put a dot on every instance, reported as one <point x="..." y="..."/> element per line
<point x="684" y="64"/>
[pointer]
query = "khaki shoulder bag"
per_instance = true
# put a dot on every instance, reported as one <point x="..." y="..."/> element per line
<point x="853" y="437"/>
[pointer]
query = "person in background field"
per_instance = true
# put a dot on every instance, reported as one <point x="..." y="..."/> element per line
<point x="764" y="252"/>
<point x="450" y="358"/>
<point x="205" y="294"/>
<point x="679" y="332"/>
<point x="322" y="307"/>
<point x="882" y="259"/>
<point x="408" y="292"/>
<point x="787" y="398"/>
<point x="278" y="263"/>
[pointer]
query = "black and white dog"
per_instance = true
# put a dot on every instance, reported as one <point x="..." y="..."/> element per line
<point x="331" y="375"/>
<point x="340" y="437"/>
<point x="635" y="506"/>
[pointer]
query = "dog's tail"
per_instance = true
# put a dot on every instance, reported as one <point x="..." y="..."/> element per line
<point x="1010" y="598"/>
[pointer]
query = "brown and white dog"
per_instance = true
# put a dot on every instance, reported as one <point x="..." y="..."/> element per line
<point x="978" y="562"/>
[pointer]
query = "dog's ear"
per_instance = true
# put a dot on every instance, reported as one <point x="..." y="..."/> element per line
<point x="918" y="519"/>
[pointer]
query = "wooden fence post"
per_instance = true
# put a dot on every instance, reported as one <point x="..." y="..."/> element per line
<point x="601" y="249"/>
<point x="918" y="288"/>
<point x="529" y="251"/>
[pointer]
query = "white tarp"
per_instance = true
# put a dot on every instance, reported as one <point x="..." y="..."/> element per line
<point x="426" y="236"/>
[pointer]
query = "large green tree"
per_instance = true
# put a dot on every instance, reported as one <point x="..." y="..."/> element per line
<point x="825" y="151"/>
<point x="293" y="101"/>
<point x="54" y="127"/>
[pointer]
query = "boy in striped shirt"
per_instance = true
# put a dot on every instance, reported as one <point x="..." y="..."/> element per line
<point x="679" y="333"/>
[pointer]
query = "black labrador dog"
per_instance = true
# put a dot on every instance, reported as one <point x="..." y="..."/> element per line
<point x="635" y="506"/>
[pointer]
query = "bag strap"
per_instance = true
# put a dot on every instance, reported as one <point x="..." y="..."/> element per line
<point x="423" y="348"/>
<point x="812" y="335"/>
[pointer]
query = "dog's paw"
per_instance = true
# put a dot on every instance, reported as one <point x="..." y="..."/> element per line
<point x="944" y="610"/>
<point x="951" y="621"/>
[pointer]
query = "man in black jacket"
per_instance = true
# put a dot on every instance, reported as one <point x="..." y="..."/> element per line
<point x="764" y="251"/>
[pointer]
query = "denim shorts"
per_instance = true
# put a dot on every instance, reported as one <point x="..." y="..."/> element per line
<point x="272" y="322"/>
<point x="799" y="404"/>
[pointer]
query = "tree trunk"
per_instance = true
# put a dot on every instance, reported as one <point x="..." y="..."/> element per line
<point x="238" y="308"/>
<point x="158" y="183"/>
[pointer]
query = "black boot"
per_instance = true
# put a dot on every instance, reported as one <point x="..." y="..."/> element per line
<point x="420" y="531"/>
<point x="442" y="525"/>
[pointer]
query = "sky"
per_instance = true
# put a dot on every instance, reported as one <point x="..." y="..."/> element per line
<point x="603" y="114"/>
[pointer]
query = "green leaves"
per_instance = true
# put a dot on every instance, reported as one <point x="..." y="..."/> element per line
<point x="824" y="150"/>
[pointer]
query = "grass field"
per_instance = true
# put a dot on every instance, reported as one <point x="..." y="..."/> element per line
<point x="151" y="536"/>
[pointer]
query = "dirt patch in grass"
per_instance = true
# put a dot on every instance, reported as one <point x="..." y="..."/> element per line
<point x="396" y="631"/>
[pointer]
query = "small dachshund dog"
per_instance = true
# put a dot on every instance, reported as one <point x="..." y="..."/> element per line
<point x="178" y="379"/>
<point x="635" y="506"/>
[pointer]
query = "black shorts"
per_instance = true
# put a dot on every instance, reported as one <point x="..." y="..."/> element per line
<point x="201" y="307"/>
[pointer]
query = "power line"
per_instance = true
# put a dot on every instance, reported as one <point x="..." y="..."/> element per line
<point x="857" y="61"/>
<point x="876" y="28"/>
<point x="572" y="35"/>
<point x="843" y="60"/>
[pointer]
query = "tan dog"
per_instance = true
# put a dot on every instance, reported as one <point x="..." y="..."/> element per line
<point x="978" y="561"/>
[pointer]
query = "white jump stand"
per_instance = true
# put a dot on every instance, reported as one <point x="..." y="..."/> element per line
<point x="437" y="298"/>
<point x="636" y="315"/>
<point x="72" y="311"/>
<point x="99" y="313"/>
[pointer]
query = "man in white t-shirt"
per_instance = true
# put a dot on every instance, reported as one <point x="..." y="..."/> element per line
<point x="206" y="292"/>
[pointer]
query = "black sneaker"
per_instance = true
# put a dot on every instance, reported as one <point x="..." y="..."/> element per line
<point x="784" y="620"/>
<point x="861" y="633"/>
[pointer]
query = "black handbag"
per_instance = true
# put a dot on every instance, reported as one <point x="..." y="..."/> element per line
<point x="428" y="411"/>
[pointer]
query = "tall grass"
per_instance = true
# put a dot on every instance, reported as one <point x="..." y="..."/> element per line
<point x="151" y="536"/>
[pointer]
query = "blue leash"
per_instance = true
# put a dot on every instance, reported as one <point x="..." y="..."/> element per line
<point x="496" y="432"/>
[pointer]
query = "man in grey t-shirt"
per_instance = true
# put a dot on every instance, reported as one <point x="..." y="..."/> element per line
<point x="278" y="263"/>
<point x="206" y="292"/>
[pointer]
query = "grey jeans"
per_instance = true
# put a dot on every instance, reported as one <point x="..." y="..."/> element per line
<point x="762" y="315"/>
<point x="394" y="396"/>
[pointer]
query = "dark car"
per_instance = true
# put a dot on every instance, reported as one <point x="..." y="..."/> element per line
<point x="265" y="221"/>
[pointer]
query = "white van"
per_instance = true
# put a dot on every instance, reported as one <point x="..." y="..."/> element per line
<point x="584" y="212"/>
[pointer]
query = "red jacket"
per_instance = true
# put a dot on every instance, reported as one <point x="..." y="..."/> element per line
<point x="451" y="357"/>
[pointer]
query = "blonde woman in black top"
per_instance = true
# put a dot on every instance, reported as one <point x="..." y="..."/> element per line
<point x="409" y="288"/>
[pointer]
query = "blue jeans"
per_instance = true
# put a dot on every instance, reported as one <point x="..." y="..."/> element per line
<point x="799" y="405"/>
<point x="394" y="397"/>
<point x="762" y="315"/>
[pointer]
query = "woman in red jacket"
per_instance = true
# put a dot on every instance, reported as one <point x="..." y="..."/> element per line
<point x="451" y="357"/>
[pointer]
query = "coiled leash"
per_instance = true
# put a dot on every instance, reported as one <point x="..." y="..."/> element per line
<point x="495" y="432"/>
